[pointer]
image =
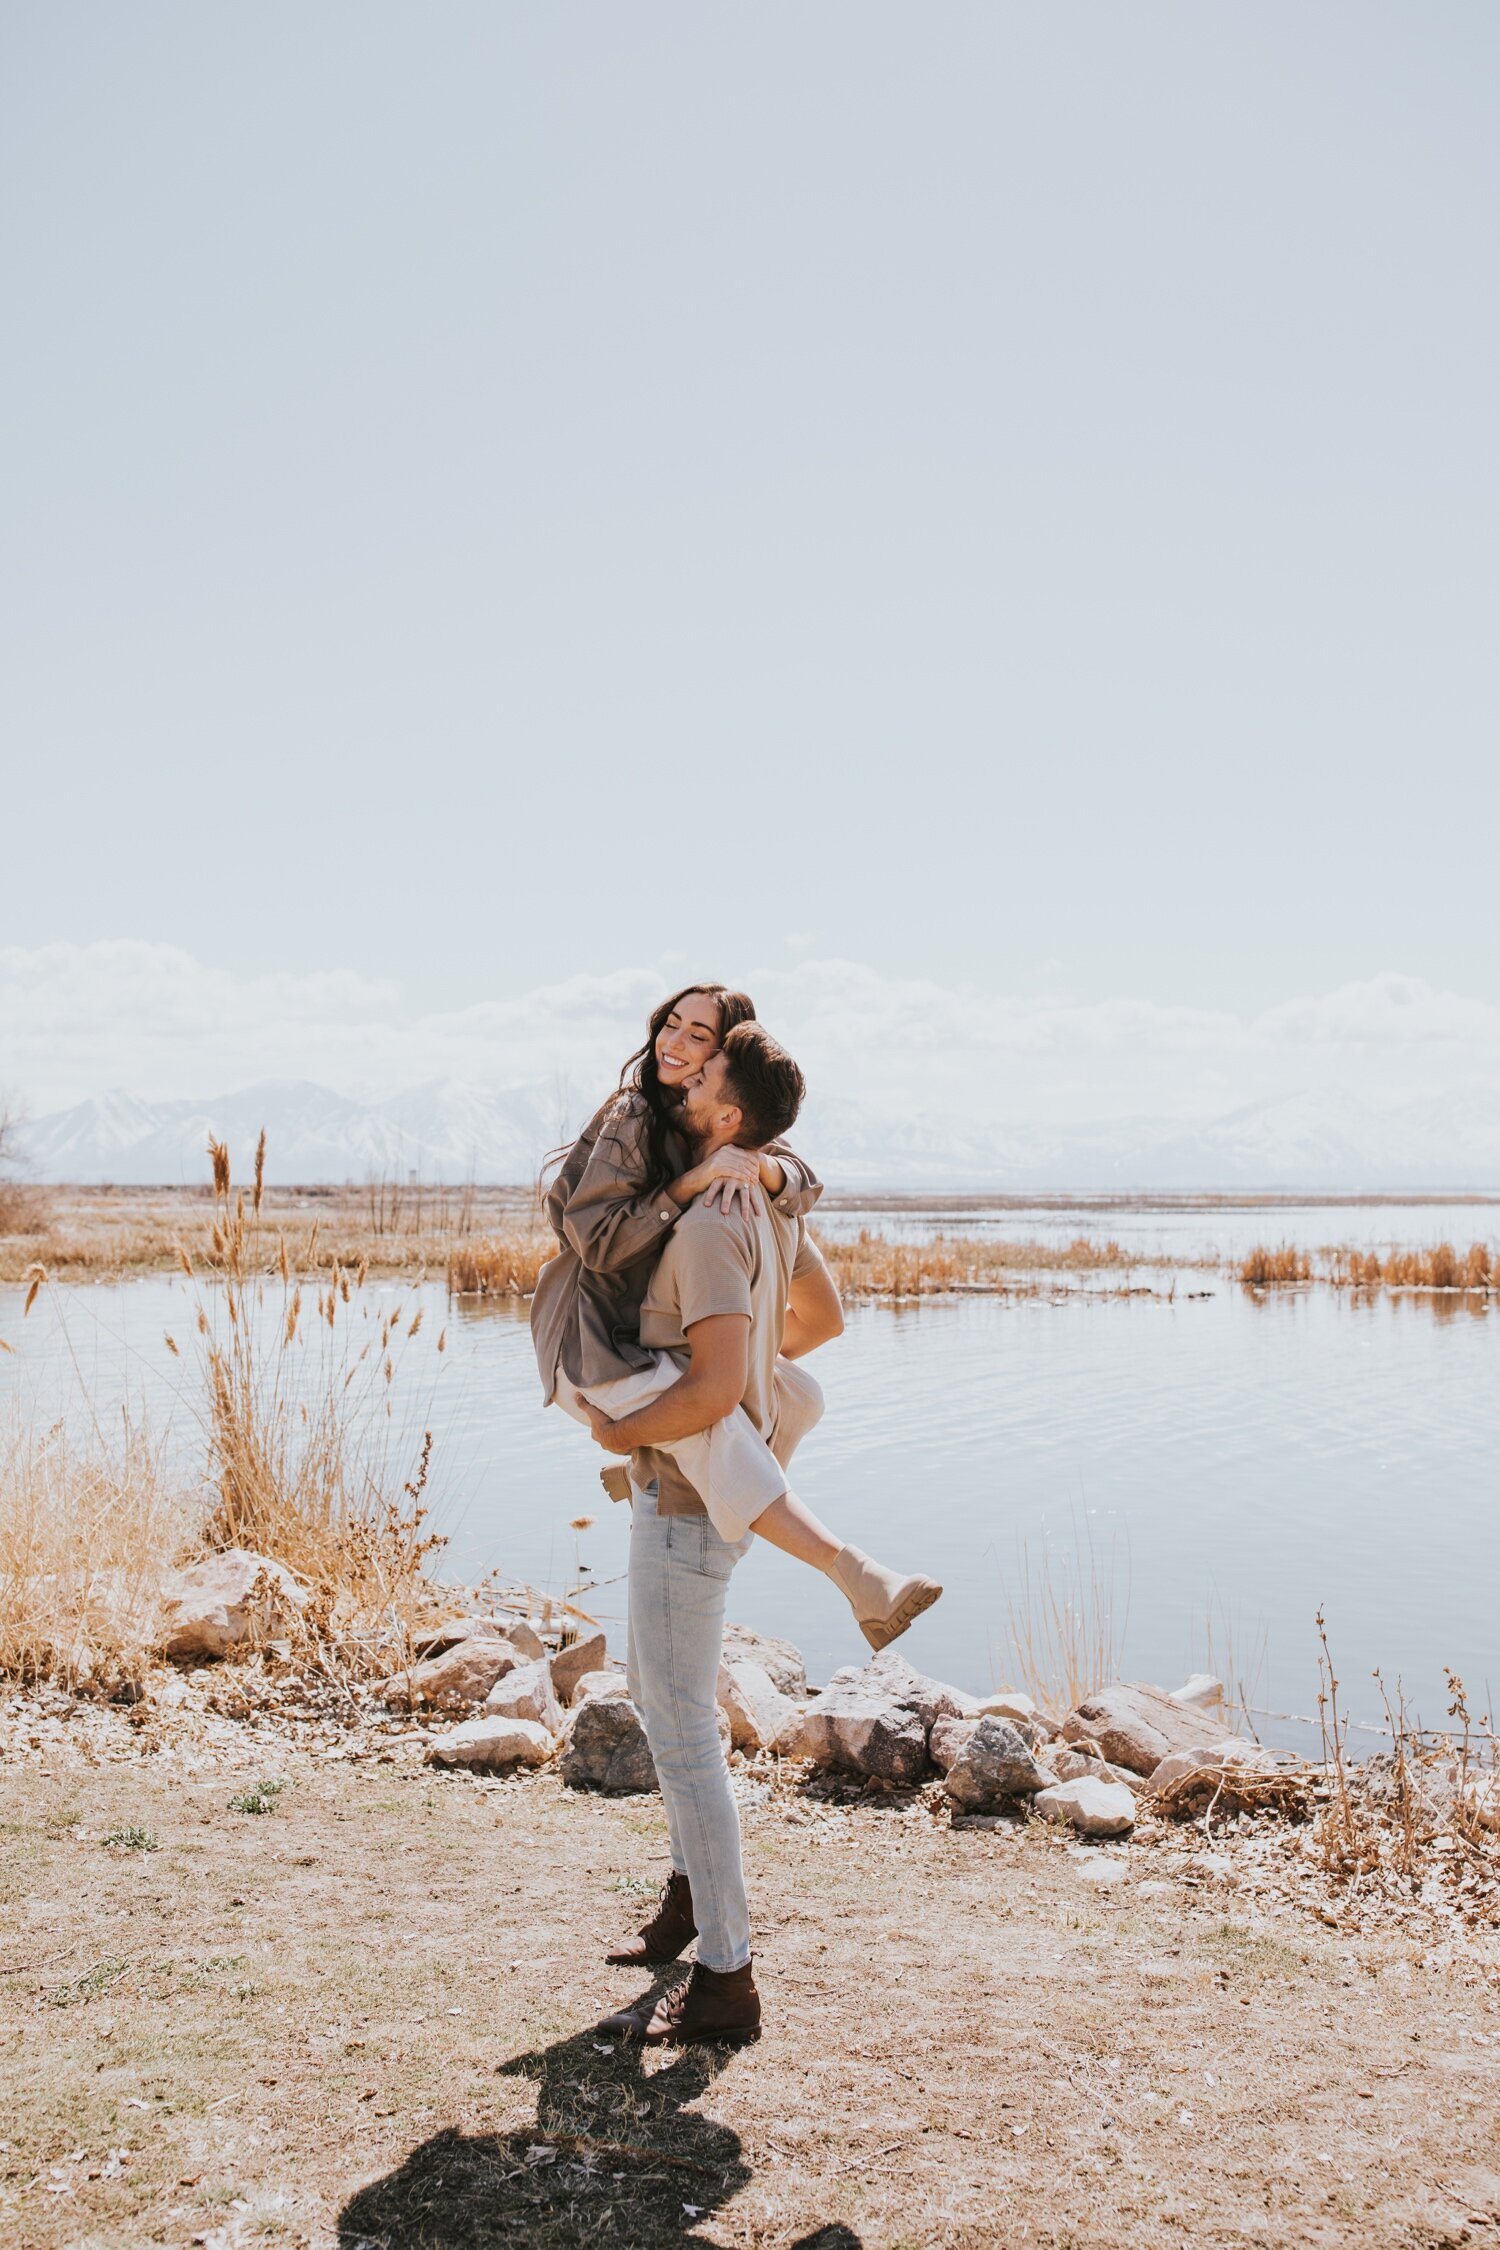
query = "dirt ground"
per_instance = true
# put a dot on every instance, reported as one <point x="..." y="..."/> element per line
<point x="363" y="2015"/>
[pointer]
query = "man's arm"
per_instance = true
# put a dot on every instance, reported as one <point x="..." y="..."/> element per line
<point x="710" y="1388"/>
<point x="814" y="1314"/>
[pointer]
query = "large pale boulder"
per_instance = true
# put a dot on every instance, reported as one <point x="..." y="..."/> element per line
<point x="1136" y="1726"/>
<point x="607" y="1747"/>
<point x="571" y="1664"/>
<point x="753" y="1704"/>
<point x="527" y="1693"/>
<point x="455" y="1681"/>
<point x="994" y="1766"/>
<point x="930" y="1699"/>
<point x="234" y="1601"/>
<point x="612" y="1682"/>
<point x="778" y="1659"/>
<point x="493" y="1740"/>
<point x="1094" y="1808"/>
<point x="860" y="1729"/>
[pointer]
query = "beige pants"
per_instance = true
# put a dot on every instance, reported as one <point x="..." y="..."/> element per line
<point x="731" y="1467"/>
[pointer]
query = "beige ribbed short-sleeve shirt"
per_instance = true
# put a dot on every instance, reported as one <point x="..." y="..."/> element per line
<point x="716" y="1263"/>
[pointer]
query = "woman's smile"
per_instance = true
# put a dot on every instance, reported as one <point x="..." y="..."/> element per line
<point x="687" y="1038"/>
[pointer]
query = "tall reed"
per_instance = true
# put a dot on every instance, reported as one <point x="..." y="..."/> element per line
<point x="299" y="1379"/>
<point x="1066" y="1636"/>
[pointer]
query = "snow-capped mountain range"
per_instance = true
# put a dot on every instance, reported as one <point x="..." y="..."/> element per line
<point x="446" y="1130"/>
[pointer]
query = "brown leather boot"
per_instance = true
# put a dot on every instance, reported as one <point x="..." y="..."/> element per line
<point x="670" y="1931"/>
<point x="720" y="2004"/>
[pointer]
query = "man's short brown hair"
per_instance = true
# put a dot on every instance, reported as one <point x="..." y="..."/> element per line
<point x="763" y="1082"/>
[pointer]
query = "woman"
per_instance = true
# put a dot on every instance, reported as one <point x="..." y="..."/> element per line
<point x="612" y="1203"/>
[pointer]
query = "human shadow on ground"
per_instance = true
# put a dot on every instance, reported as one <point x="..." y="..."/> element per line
<point x="616" y="2158"/>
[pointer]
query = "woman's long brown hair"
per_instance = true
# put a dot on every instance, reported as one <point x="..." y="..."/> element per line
<point x="640" y="1074"/>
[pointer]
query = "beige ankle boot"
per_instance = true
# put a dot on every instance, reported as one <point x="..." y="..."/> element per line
<point x="883" y="1601"/>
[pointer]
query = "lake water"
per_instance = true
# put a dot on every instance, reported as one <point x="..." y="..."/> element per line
<point x="1224" y="1464"/>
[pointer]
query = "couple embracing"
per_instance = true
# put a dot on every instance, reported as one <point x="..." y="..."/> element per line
<point x="673" y="1320"/>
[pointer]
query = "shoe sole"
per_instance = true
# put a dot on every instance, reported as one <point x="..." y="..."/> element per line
<point x="880" y="1632"/>
<point x="743" y="2038"/>
<point x="646" y="1960"/>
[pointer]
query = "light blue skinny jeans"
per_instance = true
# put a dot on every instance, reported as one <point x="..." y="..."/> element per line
<point x="679" y="1579"/>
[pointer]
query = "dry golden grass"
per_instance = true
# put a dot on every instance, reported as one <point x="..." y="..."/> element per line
<point x="1441" y="1267"/>
<point x="298" y="1375"/>
<point x="83" y="1534"/>
<point x="297" y="1416"/>
<point x="1269" y="1269"/>
<point x="1438" y="1267"/>
<point x="502" y="1264"/>
<point x="105" y="1233"/>
<point x="871" y="1265"/>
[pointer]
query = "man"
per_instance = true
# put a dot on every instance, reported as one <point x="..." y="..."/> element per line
<point x="734" y="1294"/>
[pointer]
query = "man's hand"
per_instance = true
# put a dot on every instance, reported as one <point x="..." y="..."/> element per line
<point x="730" y="1175"/>
<point x="603" y="1428"/>
<point x="712" y="1386"/>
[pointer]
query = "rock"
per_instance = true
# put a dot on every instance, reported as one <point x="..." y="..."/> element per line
<point x="595" y="1684"/>
<point x="994" y="1765"/>
<point x="754" y="1705"/>
<point x="456" y="1681"/>
<point x="528" y="1693"/>
<point x="948" y="1738"/>
<point x="1233" y="1777"/>
<point x="436" y="1640"/>
<point x="930" y="1699"/>
<point x="607" y="1746"/>
<point x="1072" y="1765"/>
<point x="571" y="1664"/>
<point x="1482" y="1800"/>
<point x="492" y="1741"/>
<point x="1097" y="1867"/>
<point x="522" y="1634"/>
<point x="1202" y="1692"/>
<point x="1179" y="1763"/>
<point x="861" y="1730"/>
<point x="1037" y="1725"/>
<point x="778" y="1659"/>
<point x="1094" y="1808"/>
<point x="232" y="1601"/>
<point x="1136" y="1726"/>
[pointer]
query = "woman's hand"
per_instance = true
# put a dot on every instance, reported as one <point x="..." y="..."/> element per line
<point x="602" y="1427"/>
<point x="728" y="1175"/>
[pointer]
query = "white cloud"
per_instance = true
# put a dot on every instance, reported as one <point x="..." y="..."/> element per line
<point x="78" y="1019"/>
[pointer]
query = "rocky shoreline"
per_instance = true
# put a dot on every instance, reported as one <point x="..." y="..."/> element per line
<point x="498" y="1698"/>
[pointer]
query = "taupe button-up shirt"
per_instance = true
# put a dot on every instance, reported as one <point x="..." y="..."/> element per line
<point x="586" y="1311"/>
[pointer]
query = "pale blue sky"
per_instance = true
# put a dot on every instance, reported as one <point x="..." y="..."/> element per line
<point x="999" y="494"/>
